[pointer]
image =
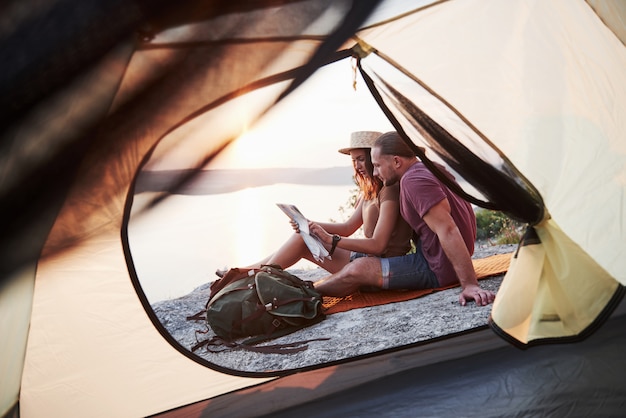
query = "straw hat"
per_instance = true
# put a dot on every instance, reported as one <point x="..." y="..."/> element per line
<point x="361" y="139"/>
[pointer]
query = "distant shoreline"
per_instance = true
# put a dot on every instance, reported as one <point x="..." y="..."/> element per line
<point x="204" y="182"/>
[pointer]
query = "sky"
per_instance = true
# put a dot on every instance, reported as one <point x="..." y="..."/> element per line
<point x="310" y="125"/>
<point x="304" y="130"/>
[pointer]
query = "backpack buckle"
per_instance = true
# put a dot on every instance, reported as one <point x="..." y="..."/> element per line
<point x="269" y="306"/>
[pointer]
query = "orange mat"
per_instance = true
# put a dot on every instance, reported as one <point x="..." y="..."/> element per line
<point x="485" y="267"/>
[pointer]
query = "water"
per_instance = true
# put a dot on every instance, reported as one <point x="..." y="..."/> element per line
<point x="178" y="245"/>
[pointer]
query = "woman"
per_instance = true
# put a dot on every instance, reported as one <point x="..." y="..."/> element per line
<point x="377" y="210"/>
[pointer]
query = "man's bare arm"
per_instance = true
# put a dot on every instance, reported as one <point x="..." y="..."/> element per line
<point x="440" y="221"/>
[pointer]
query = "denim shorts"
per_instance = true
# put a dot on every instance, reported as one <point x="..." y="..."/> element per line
<point x="354" y="255"/>
<point x="409" y="272"/>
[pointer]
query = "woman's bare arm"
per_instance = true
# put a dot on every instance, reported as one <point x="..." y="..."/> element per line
<point x="377" y="244"/>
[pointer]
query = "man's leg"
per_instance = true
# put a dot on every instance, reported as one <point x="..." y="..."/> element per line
<point x="408" y="272"/>
<point x="364" y="271"/>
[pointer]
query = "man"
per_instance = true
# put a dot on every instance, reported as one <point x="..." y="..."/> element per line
<point x="444" y="228"/>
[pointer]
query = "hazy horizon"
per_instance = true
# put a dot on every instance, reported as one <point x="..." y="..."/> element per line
<point x="215" y="181"/>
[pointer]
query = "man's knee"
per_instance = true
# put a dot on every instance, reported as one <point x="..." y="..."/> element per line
<point x="363" y="271"/>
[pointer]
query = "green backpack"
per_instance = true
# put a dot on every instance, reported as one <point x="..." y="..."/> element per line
<point x="259" y="305"/>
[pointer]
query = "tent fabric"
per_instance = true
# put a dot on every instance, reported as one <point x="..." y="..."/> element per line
<point x="584" y="379"/>
<point x="547" y="96"/>
<point x="565" y="109"/>
<point x="582" y="128"/>
<point x="312" y="385"/>
<point x="15" y="309"/>
<point x="485" y="267"/>
<point x="554" y="290"/>
<point x="612" y="13"/>
<point x="102" y="328"/>
<point x="467" y="153"/>
<point x="84" y="260"/>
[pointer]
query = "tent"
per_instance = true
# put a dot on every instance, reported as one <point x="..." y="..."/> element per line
<point x="524" y="100"/>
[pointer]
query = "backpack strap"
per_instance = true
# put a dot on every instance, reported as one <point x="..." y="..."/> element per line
<point x="217" y="344"/>
<point x="198" y="316"/>
<point x="231" y="275"/>
<point x="234" y="274"/>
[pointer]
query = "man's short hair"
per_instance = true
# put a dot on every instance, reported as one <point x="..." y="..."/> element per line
<point x="391" y="143"/>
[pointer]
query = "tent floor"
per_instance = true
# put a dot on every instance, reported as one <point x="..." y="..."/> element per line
<point x="580" y="379"/>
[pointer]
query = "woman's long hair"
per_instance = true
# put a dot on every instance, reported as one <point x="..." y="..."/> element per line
<point x="369" y="185"/>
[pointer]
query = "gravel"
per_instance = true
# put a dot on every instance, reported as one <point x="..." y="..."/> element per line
<point x="348" y="334"/>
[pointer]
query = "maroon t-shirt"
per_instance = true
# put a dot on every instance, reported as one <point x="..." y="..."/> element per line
<point x="420" y="190"/>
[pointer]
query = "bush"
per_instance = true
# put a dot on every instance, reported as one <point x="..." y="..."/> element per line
<point x="497" y="228"/>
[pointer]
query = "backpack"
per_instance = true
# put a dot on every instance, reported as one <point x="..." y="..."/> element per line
<point x="259" y="305"/>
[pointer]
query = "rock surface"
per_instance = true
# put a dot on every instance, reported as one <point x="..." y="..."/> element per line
<point x="352" y="333"/>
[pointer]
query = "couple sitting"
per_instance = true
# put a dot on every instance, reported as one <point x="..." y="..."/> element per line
<point x="399" y="199"/>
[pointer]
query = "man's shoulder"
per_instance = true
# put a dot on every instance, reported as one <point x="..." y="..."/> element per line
<point x="418" y="171"/>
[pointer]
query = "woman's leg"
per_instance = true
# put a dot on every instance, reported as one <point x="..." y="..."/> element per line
<point x="287" y="255"/>
<point x="292" y="251"/>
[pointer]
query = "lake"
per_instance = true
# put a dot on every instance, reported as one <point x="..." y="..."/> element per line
<point x="178" y="245"/>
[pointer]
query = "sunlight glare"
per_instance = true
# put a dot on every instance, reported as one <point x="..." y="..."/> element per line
<point x="308" y="127"/>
